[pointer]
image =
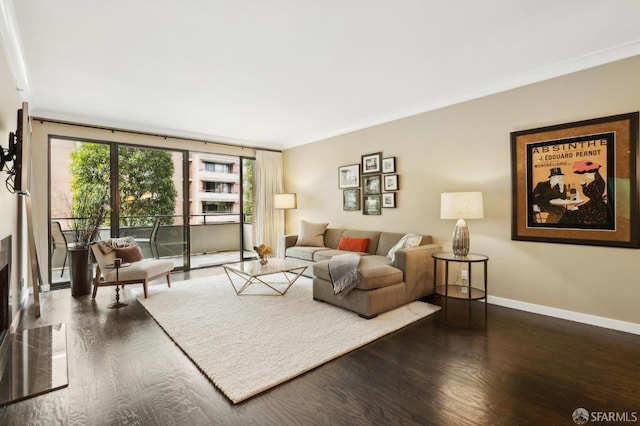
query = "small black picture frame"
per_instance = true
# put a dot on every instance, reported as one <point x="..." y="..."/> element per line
<point x="351" y="200"/>
<point x="349" y="176"/>
<point x="371" y="205"/>
<point x="389" y="165"/>
<point x="388" y="200"/>
<point x="372" y="163"/>
<point x="372" y="184"/>
<point x="391" y="183"/>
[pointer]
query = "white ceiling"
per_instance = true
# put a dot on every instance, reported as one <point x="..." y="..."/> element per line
<point x="280" y="73"/>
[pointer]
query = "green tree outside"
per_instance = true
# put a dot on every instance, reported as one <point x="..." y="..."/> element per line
<point x="146" y="188"/>
<point x="89" y="190"/>
<point x="247" y="190"/>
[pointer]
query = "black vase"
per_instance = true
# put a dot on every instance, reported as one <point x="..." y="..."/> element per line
<point x="80" y="271"/>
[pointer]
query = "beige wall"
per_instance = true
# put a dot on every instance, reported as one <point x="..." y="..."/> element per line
<point x="466" y="147"/>
<point x="10" y="102"/>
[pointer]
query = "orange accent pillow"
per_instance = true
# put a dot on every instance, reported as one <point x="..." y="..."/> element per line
<point x="129" y="254"/>
<point x="353" y="244"/>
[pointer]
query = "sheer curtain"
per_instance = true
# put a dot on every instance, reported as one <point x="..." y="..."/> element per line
<point x="268" y="180"/>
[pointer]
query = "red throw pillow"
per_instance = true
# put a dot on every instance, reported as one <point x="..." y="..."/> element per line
<point x="353" y="244"/>
<point x="129" y="254"/>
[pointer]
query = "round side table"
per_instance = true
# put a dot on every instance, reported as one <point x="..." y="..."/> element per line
<point x="462" y="287"/>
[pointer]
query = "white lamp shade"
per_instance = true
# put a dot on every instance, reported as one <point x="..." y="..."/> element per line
<point x="461" y="205"/>
<point x="285" y="201"/>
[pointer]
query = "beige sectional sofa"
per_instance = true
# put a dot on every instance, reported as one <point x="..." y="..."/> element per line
<point x="384" y="284"/>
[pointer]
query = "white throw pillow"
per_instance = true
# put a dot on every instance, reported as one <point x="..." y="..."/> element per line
<point x="311" y="234"/>
<point x="409" y="240"/>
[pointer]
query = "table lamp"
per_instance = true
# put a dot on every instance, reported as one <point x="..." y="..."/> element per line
<point x="461" y="206"/>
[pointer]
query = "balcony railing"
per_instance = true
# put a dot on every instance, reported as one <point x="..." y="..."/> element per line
<point x="211" y="235"/>
<point x="210" y="232"/>
<point x="218" y="196"/>
<point x="211" y="176"/>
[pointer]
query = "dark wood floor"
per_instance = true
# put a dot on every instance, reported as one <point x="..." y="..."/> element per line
<point x="524" y="369"/>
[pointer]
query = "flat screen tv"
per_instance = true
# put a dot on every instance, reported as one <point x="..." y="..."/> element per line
<point x="11" y="158"/>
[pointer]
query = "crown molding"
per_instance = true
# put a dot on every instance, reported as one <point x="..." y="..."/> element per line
<point x="13" y="49"/>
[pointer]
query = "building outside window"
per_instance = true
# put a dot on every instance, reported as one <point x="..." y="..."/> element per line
<point x="215" y="188"/>
<point x="221" y="187"/>
<point x="216" y="207"/>
<point x="216" y="167"/>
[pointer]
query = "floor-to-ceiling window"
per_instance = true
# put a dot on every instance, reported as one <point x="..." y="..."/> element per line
<point x="216" y="205"/>
<point x="192" y="207"/>
<point x="151" y="201"/>
<point x="74" y="165"/>
<point x="248" y="236"/>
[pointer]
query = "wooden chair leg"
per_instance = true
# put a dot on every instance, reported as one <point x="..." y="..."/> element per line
<point x="144" y="285"/>
<point x="168" y="280"/>
<point x="95" y="290"/>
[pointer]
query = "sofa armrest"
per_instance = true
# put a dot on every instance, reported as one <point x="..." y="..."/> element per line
<point x="284" y="243"/>
<point x="417" y="266"/>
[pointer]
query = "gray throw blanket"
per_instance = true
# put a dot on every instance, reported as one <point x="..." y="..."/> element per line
<point x="343" y="270"/>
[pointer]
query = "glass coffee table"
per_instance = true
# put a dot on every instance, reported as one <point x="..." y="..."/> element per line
<point x="242" y="275"/>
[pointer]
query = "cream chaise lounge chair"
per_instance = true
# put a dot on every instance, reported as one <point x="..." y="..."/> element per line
<point x="138" y="271"/>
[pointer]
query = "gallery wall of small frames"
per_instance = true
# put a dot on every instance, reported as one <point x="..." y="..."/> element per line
<point x="369" y="186"/>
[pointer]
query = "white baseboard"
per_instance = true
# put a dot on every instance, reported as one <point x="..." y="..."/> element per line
<point x="13" y="328"/>
<point x="15" y="321"/>
<point x="627" y="327"/>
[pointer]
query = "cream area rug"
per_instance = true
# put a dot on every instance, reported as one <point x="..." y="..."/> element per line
<point x="248" y="344"/>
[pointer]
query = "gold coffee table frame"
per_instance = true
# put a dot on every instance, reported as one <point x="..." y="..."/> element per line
<point x="251" y="271"/>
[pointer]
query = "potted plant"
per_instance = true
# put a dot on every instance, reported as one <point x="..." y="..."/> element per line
<point x="89" y="215"/>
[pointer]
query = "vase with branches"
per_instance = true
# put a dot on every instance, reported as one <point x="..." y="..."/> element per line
<point x="87" y="220"/>
<point x="88" y="215"/>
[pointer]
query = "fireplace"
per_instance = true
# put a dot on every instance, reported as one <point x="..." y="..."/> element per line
<point x="5" y="287"/>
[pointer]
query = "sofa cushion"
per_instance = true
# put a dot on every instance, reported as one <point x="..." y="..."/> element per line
<point x="387" y="241"/>
<point x="373" y="236"/>
<point x="321" y="270"/>
<point x="332" y="237"/>
<point x="304" y="253"/>
<point x="329" y="253"/>
<point x="353" y="244"/>
<point x="378" y="276"/>
<point x="375" y="272"/>
<point x="311" y="234"/>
